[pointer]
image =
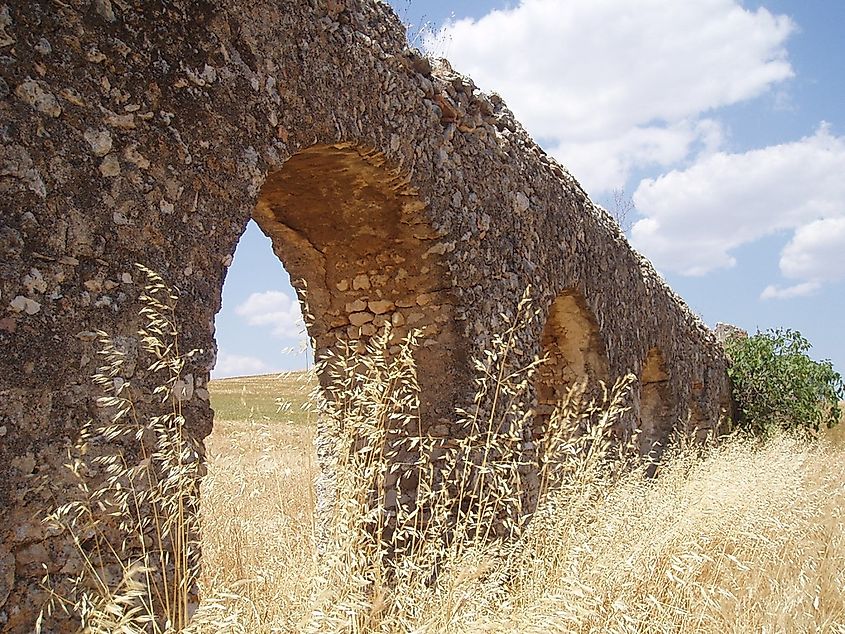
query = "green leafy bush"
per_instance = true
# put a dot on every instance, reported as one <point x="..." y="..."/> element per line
<point x="776" y="385"/>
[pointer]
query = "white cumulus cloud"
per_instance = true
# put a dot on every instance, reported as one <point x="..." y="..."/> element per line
<point x="276" y="310"/>
<point x="817" y="251"/>
<point x="238" y="365"/>
<point x="789" y="292"/>
<point x="608" y="86"/>
<point x="695" y="217"/>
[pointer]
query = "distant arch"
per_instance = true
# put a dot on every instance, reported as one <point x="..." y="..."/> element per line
<point x="657" y="416"/>
<point x="705" y="422"/>
<point x="574" y="352"/>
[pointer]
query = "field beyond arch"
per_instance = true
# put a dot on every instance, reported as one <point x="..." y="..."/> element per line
<point x="742" y="538"/>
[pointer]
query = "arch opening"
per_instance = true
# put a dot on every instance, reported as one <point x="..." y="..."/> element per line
<point x="574" y="353"/>
<point x="704" y="422"/>
<point x="353" y="236"/>
<point x="657" y="416"/>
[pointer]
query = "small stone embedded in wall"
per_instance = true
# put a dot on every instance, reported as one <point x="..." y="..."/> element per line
<point x="359" y="319"/>
<point x="183" y="389"/>
<point x="93" y="285"/>
<point x="16" y="161"/>
<point x="71" y="95"/>
<point x="6" y="38"/>
<point x="100" y="141"/>
<point x="21" y="304"/>
<point x="120" y="121"/>
<point x="132" y="155"/>
<point x="110" y="167"/>
<point x="356" y="306"/>
<point x="43" y="46"/>
<point x="361" y="282"/>
<point x="36" y="94"/>
<point x="34" y="282"/>
<point x="380" y="307"/>
<point x="104" y="10"/>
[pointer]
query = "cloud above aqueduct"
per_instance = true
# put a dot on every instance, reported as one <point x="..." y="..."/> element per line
<point x="614" y="90"/>
<point x="696" y="216"/>
<point x="609" y="86"/>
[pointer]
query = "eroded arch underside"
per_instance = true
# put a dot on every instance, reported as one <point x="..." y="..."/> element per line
<point x="362" y="256"/>
<point x="574" y="355"/>
<point x="658" y="409"/>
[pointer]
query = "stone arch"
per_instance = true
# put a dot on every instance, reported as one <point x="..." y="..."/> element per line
<point x="574" y="351"/>
<point x="152" y="151"/>
<point x="352" y="234"/>
<point x="657" y="415"/>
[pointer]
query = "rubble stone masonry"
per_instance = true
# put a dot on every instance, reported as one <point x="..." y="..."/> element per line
<point x="393" y="190"/>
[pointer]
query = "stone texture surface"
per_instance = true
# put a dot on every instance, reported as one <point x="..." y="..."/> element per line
<point x="152" y="130"/>
<point x="726" y="332"/>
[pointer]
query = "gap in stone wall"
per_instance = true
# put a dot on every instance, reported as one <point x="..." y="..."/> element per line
<point x="363" y="260"/>
<point x="259" y="493"/>
<point x="353" y="234"/>
<point x="259" y="327"/>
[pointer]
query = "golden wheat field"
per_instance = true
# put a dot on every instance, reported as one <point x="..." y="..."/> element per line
<point x="741" y="538"/>
<point x="422" y="534"/>
<point x="258" y="499"/>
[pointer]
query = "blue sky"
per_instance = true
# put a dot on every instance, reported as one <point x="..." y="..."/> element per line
<point x="723" y="121"/>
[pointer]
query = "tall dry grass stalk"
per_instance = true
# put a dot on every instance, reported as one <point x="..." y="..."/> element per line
<point x="410" y="505"/>
<point x="134" y="520"/>
<point x="743" y="538"/>
<point x="430" y="534"/>
<point x="733" y="538"/>
<point x="739" y="537"/>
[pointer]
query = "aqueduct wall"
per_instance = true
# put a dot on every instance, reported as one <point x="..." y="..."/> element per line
<point x="152" y="130"/>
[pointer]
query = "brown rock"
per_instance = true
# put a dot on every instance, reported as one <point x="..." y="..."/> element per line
<point x="359" y="319"/>
<point x="361" y="282"/>
<point x="110" y="166"/>
<point x="37" y="94"/>
<point x="356" y="306"/>
<point x="381" y="306"/>
<point x="99" y="140"/>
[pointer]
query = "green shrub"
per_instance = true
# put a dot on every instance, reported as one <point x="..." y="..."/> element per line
<point x="776" y="385"/>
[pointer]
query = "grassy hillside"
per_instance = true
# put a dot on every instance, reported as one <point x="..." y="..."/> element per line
<point x="265" y="398"/>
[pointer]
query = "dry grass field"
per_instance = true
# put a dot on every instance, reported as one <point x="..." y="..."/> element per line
<point x="258" y="500"/>
<point x="743" y="538"/>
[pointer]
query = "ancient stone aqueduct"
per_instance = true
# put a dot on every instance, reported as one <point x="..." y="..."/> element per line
<point x="152" y="131"/>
